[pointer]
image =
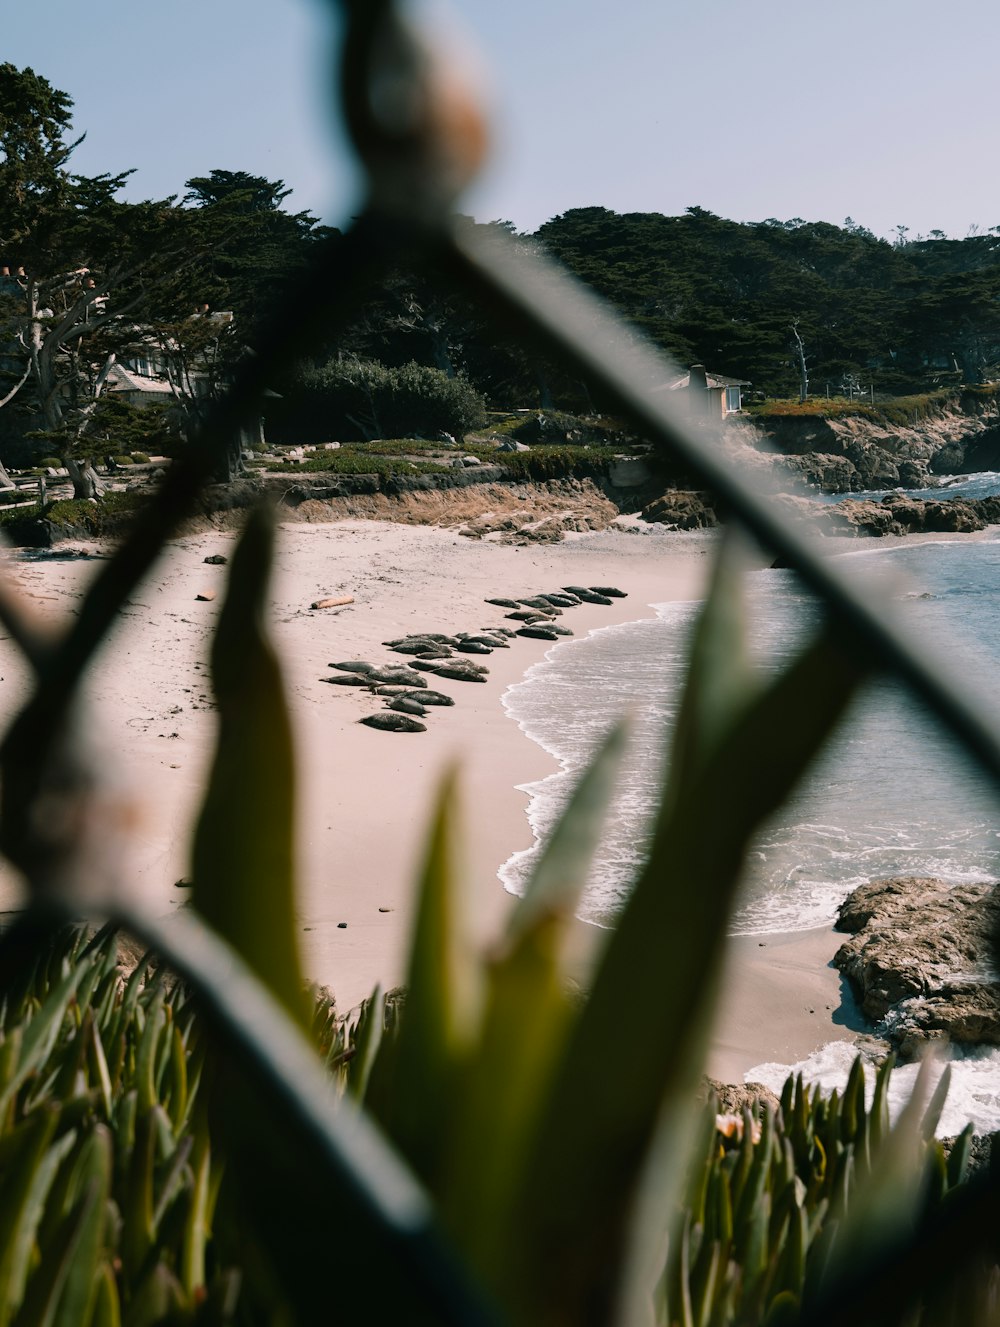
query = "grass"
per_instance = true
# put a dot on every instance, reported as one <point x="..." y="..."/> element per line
<point x="900" y="410"/>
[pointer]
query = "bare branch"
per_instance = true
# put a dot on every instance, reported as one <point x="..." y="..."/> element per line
<point x="14" y="390"/>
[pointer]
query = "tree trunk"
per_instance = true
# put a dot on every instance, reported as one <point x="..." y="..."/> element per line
<point x="803" y="369"/>
<point x="5" y="479"/>
<point x="87" y="483"/>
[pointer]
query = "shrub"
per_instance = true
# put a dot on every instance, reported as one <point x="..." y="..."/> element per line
<point x="140" y="458"/>
<point x="365" y="399"/>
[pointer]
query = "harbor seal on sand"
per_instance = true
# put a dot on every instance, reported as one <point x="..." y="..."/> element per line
<point x="394" y="723"/>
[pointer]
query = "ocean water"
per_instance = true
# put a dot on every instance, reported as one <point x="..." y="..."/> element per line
<point x="982" y="484"/>
<point x="891" y="795"/>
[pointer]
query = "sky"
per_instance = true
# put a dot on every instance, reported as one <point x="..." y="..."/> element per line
<point x="882" y="110"/>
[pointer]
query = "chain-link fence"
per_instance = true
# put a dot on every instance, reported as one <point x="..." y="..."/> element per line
<point x="419" y="146"/>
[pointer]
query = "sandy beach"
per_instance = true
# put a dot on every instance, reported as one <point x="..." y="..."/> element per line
<point x="365" y="796"/>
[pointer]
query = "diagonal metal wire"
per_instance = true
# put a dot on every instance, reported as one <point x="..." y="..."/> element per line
<point x="538" y="299"/>
<point x="535" y="294"/>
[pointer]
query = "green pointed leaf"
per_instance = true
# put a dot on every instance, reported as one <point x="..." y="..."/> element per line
<point x="559" y="877"/>
<point x="726" y="778"/>
<point x="528" y="1009"/>
<point x="412" y="1089"/>
<point x="368" y="1038"/>
<point x="41" y="1033"/>
<point x="243" y="857"/>
<point x="22" y="1202"/>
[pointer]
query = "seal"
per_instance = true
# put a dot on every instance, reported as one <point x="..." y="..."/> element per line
<point x="539" y="633"/>
<point x="406" y="705"/>
<point x="353" y="666"/>
<point x="394" y="723"/>
<point x="349" y="680"/>
<point x="402" y="675"/>
<point x="431" y="698"/>
<point x="610" y="591"/>
<point x="503" y="603"/>
<point x="462" y="672"/>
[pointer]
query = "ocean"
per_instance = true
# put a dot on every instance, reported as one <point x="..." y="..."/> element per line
<point x="890" y="796"/>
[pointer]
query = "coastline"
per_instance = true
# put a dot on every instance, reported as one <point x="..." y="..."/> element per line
<point x="365" y="797"/>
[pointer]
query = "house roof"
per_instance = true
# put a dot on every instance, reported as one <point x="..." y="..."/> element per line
<point x="713" y="380"/>
<point x="124" y="380"/>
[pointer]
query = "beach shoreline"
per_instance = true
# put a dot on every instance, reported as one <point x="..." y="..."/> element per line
<point x="365" y="797"/>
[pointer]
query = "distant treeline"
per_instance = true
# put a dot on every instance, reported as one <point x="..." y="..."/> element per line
<point x="902" y="316"/>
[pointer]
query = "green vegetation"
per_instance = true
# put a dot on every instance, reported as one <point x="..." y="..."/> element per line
<point x="355" y="398"/>
<point x="145" y="1179"/>
<point x="101" y="517"/>
<point x="900" y="410"/>
<point x="344" y="462"/>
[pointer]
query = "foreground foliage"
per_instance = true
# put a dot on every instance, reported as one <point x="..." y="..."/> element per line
<point x="144" y="1179"/>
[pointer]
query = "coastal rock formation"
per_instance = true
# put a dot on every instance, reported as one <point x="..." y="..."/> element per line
<point x="920" y="959"/>
<point x="851" y="453"/>
<point x="897" y="514"/>
<point x="682" y="509"/>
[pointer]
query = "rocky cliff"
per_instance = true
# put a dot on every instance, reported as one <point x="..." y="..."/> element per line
<point x="852" y="453"/>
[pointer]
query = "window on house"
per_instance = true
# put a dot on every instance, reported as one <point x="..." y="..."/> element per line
<point x="732" y="399"/>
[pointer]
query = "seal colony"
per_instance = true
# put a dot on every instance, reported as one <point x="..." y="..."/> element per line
<point x="406" y="693"/>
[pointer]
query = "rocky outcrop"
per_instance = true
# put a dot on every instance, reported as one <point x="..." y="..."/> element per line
<point x="682" y="509"/>
<point x="854" y="453"/>
<point x="896" y="514"/>
<point x="920" y="960"/>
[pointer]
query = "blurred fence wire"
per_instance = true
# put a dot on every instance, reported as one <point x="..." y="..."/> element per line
<point x="421" y="137"/>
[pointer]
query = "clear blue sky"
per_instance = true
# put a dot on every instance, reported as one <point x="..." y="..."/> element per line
<point x="884" y="110"/>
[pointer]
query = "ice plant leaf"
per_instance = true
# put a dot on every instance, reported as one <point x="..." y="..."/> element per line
<point x="652" y="1015"/>
<point x="243" y="858"/>
<point x="414" y="1077"/>
<point x="528" y="1010"/>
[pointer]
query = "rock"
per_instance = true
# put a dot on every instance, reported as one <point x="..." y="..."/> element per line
<point x="681" y="510"/>
<point x="919" y="958"/>
<point x="610" y="591"/>
<point x="353" y="666"/>
<point x="897" y="514"/>
<point x="216" y="560"/>
<point x="429" y="697"/>
<point x="503" y="603"/>
<point x="407" y="705"/>
<point x="393" y="723"/>
<point x="734" y="1097"/>
<point x="205" y="596"/>
<point x="336" y="601"/>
